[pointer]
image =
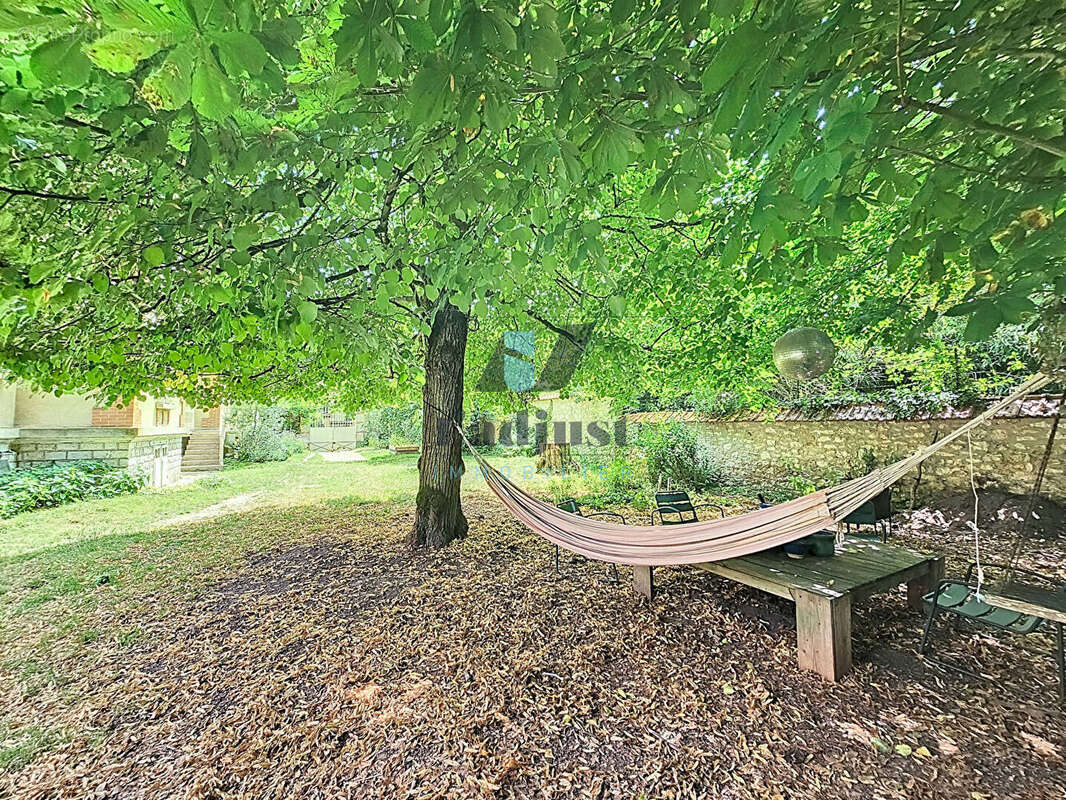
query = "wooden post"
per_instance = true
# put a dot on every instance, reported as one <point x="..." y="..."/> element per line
<point x="921" y="586"/>
<point x="823" y="633"/>
<point x="642" y="581"/>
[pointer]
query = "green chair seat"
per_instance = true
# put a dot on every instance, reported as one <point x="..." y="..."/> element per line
<point x="958" y="598"/>
<point x="1026" y="624"/>
<point x="951" y="596"/>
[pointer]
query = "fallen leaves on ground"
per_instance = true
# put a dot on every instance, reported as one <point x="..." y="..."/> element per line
<point x="340" y="664"/>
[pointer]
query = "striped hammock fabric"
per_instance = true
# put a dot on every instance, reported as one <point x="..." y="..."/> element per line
<point x="719" y="539"/>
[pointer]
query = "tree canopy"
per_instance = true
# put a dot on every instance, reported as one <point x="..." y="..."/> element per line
<point x="264" y="191"/>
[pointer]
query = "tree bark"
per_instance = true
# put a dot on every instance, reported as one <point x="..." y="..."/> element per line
<point x="439" y="516"/>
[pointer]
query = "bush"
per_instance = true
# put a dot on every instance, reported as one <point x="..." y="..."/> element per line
<point x="57" y="484"/>
<point x="613" y="476"/>
<point x="674" y="453"/>
<point x="394" y="425"/>
<point x="260" y="435"/>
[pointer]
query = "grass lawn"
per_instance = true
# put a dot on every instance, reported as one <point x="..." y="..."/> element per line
<point x="266" y="633"/>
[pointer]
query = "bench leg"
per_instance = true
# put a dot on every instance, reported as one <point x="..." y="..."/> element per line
<point x="642" y="581"/>
<point x="823" y="634"/>
<point x="919" y="587"/>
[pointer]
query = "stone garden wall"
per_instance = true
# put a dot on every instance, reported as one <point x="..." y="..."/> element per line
<point x="1006" y="452"/>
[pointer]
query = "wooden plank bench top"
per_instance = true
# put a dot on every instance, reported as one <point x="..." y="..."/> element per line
<point x="824" y="590"/>
<point x="861" y="568"/>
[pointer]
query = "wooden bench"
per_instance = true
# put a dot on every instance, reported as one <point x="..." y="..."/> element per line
<point x="404" y="448"/>
<point x="825" y="589"/>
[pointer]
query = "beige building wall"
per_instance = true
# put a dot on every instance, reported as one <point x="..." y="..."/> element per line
<point x="35" y="410"/>
<point x="7" y="406"/>
<point x="144" y="436"/>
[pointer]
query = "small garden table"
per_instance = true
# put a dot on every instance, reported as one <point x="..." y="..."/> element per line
<point x="824" y="590"/>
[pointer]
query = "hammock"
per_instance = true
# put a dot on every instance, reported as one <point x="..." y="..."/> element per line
<point x="720" y="539"/>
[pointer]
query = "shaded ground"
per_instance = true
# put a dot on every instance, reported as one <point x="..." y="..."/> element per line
<point x="330" y="662"/>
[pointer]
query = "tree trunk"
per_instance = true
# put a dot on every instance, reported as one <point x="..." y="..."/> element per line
<point x="439" y="516"/>
<point x="555" y="457"/>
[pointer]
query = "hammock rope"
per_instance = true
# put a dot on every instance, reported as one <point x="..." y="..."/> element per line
<point x="720" y="539"/>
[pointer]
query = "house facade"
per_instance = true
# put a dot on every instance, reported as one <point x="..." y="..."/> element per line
<point x="161" y="436"/>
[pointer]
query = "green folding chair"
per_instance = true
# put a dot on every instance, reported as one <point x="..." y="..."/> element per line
<point x="679" y="507"/>
<point x="876" y="513"/>
<point x="570" y="505"/>
<point x="961" y="599"/>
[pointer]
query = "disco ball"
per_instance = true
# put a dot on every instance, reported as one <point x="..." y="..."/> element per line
<point x="804" y="353"/>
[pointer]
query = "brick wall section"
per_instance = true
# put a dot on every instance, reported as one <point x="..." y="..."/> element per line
<point x="114" y="417"/>
<point x="1006" y="452"/>
<point x="211" y="418"/>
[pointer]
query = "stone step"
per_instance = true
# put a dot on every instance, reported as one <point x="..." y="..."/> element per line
<point x="202" y="468"/>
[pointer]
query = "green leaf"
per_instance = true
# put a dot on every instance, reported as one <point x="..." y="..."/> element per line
<point x="198" y="164"/>
<point x="308" y="312"/>
<point x="1014" y="307"/>
<point x="545" y="50"/>
<point x="439" y="15"/>
<point x="726" y="9"/>
<point x="621" y="10"/>
<point x="430" y="92"/>
<point x="617" y="304"/>
<point x="239" y="51"/>
<point x="61" y="62"/>
<point x="732" y="249"/>
<point x="153" y="256"/>
<point x="366" y="65"/>
<point x="347" y="37"/>
<point x="121" y="52"/>
<point x="244" y="237"/>
<point x="41" y="270"/>
<point x="213" y="96"/>
<point x="503" y="29"/>
<point x="986" y="318"/>
<point x="737" y="47"/>
<point x="419" y="33"/>
<point x="170" y="85"/>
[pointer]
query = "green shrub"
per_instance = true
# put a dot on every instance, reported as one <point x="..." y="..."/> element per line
<point x="260" y="434"/>
<point x="394" y="425"/>
<point x="613" y="476"/>
<point x="674" y="453"/>
<point x="57" y="484"/>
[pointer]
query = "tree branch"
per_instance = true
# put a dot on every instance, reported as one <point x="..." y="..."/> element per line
<point x="74" y="198"/>
<point x="988" y="127"/>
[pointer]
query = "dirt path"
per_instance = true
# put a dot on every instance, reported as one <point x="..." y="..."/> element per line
<point x="240" y="502"/>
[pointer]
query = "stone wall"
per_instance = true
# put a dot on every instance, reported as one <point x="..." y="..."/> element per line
<point x="144" y="451"/>
<point x="1006" y="452"/>
<point x="48" y="445"/>
<point x="119" y="447"/>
